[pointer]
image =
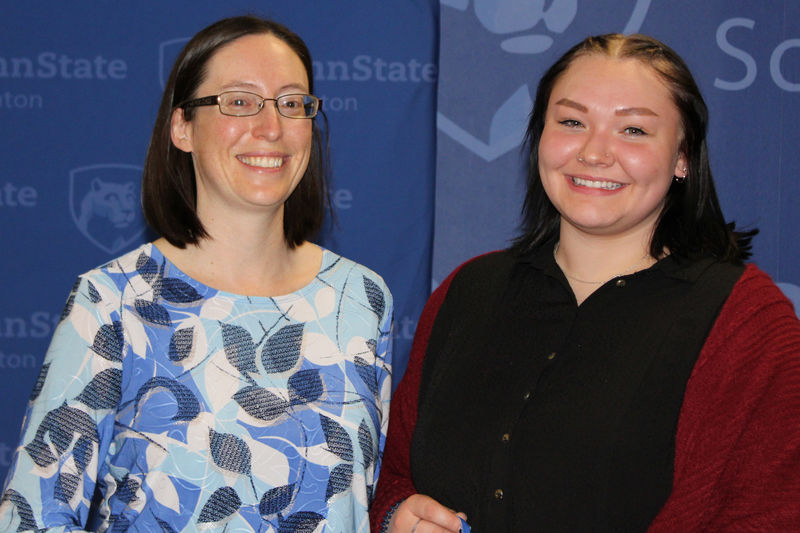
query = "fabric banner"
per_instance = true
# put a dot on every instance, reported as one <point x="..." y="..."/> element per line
<point x="744" y="55"/>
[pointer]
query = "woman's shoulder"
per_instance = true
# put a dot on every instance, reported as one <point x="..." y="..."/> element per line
<point x="136" y="276"/>
<point x="483" y="270"/>
<point x="756" y="314"/>
<point x="340" y="272"/>
<point x="136" y="261"/>
<point x="756" y="289"/>
<point x="140" y="259"/>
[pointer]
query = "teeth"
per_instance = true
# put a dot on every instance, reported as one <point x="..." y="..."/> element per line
<point x="606" y="185"/>
<point x="262" y="162"/>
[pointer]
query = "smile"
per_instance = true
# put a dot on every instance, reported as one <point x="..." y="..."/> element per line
<point x="261" y="161"/>
<point x="605" y="185"/>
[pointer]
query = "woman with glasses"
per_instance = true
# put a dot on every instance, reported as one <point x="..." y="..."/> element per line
<point x="230" y="375"/>
<point x="620" y="368"/>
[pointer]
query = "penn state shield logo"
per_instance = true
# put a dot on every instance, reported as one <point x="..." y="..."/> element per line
<point x="105" y="206"/>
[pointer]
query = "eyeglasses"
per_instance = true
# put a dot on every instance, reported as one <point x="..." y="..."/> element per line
<point x="245" y="104"/>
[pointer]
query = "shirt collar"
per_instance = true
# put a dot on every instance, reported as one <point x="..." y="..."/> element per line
<point x="541" y="258"/>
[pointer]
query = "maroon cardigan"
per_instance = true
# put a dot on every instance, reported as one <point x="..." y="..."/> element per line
<point x="737" y="449"/>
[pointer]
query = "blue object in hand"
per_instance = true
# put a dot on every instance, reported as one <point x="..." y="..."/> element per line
<point x="464" y="525"/>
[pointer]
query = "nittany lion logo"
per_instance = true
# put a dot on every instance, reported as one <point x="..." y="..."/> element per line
<point x="104" y="203"/>
<point x="510" y="33"/>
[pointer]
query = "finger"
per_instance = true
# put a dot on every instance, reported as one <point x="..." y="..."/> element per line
<point x="432" y="511"/>
<point x="423" y="526"/>
<point x="426" y="514"/>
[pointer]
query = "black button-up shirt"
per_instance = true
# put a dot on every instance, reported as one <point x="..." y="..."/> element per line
<point x="536" y="414"/>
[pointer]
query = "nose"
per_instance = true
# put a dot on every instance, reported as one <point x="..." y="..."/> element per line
<point x="267" y="124"/>
<point x="596" y="151"/>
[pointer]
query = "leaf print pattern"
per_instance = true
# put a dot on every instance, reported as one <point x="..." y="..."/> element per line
<point x="374" y="295"/>
<point x="165" y="527"/>
<point x="82" y="452"/>
<point x="127" y="489"/>
<point x="239" y="348"/>
<point x="60" y="425"/>
<point x="283" y="349"/>
<point x="70" y="301"/>
<point x="94" y="295"/>
<point x="180" y="345"/>
<point x="305" y="386"/>
<point x="230" y="452"/>
<point x="153" y="313"/>
<point x="302" y="522"/>
<point x="183" y="408"/>
<point x="368" y="374"/>
<point x="276" y="500"/>
<point x="365" y="442"/>
<point x="23" y="509"/>
<point x="340" y="479"/>
<point x="108" y="342"/>
<point x="188" y="406"/>
<point x="66" y="486"/>
<point x="223" y="503"/>
<point x="120" y="524"/>
<point x="261" y="403"/>
<point x="146" y="267"/>
<point x="104" y="391"/>
<point x="337" y="438"/>
<point x="177" y="291"/>
<point x="37" y="388"/>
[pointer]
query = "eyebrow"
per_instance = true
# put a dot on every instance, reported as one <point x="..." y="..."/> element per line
<point x="635" y="111"/>
<point x="252" y="86"/>
<point x="570" y="103"/>
<point x="627" y="111"/>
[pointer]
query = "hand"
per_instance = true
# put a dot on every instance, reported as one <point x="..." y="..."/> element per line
<point x="422" y="514"/>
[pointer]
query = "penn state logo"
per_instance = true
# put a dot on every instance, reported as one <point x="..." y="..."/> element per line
<point x="104" y="203"/>
<point x="508" y="34"/>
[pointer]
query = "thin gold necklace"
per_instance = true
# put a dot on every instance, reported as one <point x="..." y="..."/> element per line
<point x="573" y="278"/>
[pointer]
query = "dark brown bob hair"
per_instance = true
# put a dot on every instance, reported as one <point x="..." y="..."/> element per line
<point x="169" y="191"/>
<point x="691" y="223"/>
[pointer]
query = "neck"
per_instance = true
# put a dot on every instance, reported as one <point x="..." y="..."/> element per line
<point x="248" y="257"/>
<point x="588" y="263"/>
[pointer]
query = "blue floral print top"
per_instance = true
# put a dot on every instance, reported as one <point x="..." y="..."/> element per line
<point x="164" y="405"/>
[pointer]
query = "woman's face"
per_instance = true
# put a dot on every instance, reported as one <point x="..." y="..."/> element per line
<point x="252" y="162"/>
<point x="610" y="147"/>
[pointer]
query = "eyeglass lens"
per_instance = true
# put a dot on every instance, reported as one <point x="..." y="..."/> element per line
<point x="290" y="105"/>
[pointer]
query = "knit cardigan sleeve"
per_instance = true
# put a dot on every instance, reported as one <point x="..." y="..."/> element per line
<point x="737" y="450"/>
<point x="394" y="483"/>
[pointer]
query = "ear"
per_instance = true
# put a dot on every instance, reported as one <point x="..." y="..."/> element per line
<point x="180" y="131"/>
<point x="681" y="166"/>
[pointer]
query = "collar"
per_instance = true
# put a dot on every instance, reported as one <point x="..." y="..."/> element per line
<point x="689" y="270"/>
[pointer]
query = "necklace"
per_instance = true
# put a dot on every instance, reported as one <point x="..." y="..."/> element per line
<point x="573" y="278"/>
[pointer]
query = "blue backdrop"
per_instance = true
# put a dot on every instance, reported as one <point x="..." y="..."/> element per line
<point x="427" y="103"/>
<point x="80" y="84"/>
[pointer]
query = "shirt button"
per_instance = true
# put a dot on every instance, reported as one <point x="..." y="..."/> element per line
<point x="621" y="283"/>
<point x="526" y="396"/>
<point x="505" y="438"/>
<point x="498" y="494"/>
<point x="551" y="356"/>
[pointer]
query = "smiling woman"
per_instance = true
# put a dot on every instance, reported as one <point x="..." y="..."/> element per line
<point x="608" y="154"/>
<point x="619" y="368"/>
<point x="232" y="374"/>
